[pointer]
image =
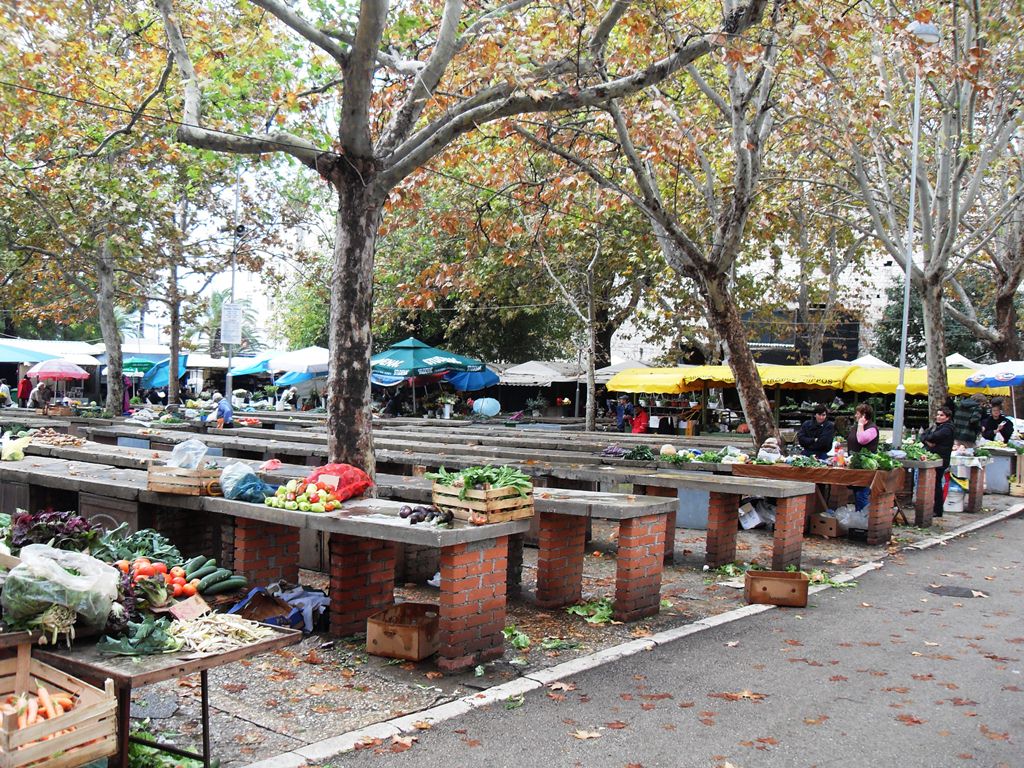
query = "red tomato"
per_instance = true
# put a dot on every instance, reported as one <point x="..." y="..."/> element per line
<point x="141" y="561"/>
<point x="160" y="567"/>
<point x="188" y="590"/>
<point x="123" y="566"/>
<point x="177" y="571"/>
<point x="179" y="580"/>
<point x="177" y="590"/>
<point x="144" y="570"/>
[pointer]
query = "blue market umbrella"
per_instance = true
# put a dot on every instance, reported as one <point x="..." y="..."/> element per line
<point x="471" y="381"/>
<point x="157" y="375"/>
<point x="1008" y="374"/>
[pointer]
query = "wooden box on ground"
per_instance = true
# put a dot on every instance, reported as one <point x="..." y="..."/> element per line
<point x="827" y="527"/>
<point x="60" y="410"/>
<point x="404" y="631"/>
<point x="184" y="482"/>
<point x="495" y="505"/>
<point x="86" y="733"/>
<point x="776" y="588"/>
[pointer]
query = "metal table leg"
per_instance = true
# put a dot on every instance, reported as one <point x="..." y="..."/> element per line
<point x="124" y="723"/>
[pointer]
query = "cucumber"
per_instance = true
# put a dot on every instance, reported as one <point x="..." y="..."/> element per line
<point x="207" y="563"/>
<point x="202" y="573"/>
<point x="195" y="564"/>
<point x="221" y="574"/>
<point x="228" y="585"/>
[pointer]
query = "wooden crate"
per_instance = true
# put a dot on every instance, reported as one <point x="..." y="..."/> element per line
<point x="776" y="588"/>
<point x="496" y="505"/>
<point x="94" y="718"/>
<point x="60" y="410"/>
<point x="404" y="631"/>
<point x="184" y="482"/>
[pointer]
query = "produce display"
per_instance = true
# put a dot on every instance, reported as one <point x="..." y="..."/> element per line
<point x="31" y="708"/>
<point x="806" y="461"/>
<point x="47" y="436"/>
<point x="425" y="514"/>
<point x="484" y="477"/>
<point x="217" y="632"/>
<point x="917" y="452"/>
<point x="305" y="497"/>
<point x="615" y="451"/>
<point x="869" y="460"/>
<point x="639" y="453"/>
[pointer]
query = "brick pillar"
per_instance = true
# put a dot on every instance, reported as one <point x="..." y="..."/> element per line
<point x="670" y="521"/>
<point x="723" y="520"/>
<point x="790" y="515"/>
<point x="975" y="490"/>
<point x="880" y="517"/>
<point x="561" y="540"/>
<point x="924" y="501"/>
<point x="640" y="559"/>
<point x="903" y="497"/>
<point x="472" y="610"/>
<point x="265" y="552"/>
<point x="514" y="578"/>
<point x="362" y="581"/>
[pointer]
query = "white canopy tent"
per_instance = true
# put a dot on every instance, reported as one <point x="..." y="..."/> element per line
<point x="870" y="361"/>
<point x="540" y="373"/>
<point x="305" y="360"/>
<point x="956" y="360"/>
<point x="604" y="375"/>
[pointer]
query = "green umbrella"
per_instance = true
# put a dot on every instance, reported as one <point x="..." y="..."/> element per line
<point x="414" y="358"/>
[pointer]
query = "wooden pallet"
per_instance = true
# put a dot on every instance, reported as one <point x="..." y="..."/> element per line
<point x="87" y="733"/>
<point x="487" y="505"/>
<point x="184" y="482"/>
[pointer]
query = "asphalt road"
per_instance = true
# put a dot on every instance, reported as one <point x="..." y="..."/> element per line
<point x="888" y="673"/>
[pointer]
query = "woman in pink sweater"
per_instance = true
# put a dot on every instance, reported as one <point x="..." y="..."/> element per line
<point x="863" y="436"/>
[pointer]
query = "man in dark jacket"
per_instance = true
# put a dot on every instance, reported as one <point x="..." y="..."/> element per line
<point x="816" y="435"/>
<point x="997" y="424"/>
<point x="939" y="439"/>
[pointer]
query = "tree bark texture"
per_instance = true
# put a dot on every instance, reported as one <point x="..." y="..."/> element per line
<point x="935" y="343"/>
<point x="106" y="287"/>
<point x="349" y="421"/>
<point x="725" y="318"/>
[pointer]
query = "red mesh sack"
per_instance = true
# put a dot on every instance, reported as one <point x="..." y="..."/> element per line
<point x="352" y="481"/>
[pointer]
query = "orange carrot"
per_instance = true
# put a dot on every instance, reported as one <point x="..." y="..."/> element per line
<point x="33" y="712"/>
<point x="46" y="702"/>
<point x="64" y="700"/>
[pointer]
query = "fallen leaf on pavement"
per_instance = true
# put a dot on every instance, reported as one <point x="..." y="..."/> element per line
<point x="584" y="735"/>
<point x="908" y="719"/>
<point x="402" y="743"/>
<point x="434" y="675"/>
<point x="560" y="686"/>
<point x="732" y="643"/>
<point x="978" y="593"/>
<point x="739" y="696"/>
<point x="234" y="687"/>
<point x="617" y="725"/>
<point x="368" y="742"/>
<point x="815" y="720"/>
<point x="319" y="689"/>
<point x="422" y="725"/>
<point x="993" y="735"/>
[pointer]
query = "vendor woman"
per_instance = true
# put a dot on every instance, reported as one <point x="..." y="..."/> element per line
<point x="863" y="437"/>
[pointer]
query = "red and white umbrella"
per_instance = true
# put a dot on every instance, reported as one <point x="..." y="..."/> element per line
<point x="57" y="370"/>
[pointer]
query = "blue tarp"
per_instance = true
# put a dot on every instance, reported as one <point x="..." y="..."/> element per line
<point x="295" y="377"/>
<point x="157" y="375"/>
<point x="10" y="354"/>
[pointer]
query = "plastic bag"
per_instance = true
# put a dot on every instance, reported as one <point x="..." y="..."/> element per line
<point x="43" y="579"/>
<point x="352" y="481"/>
<point x="14" y="449"/>
<point x="239" y="482"/>
<point x="188" y="455"/>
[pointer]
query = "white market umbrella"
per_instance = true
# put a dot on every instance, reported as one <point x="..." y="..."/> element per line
<point x="305" y="360"/>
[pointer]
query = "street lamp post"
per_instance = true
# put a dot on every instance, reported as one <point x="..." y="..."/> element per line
<point x="927" y="34"/>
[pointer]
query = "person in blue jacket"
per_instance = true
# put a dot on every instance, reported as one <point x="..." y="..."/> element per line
<point x="817" y="434"/>
<point x="223" y="415"/>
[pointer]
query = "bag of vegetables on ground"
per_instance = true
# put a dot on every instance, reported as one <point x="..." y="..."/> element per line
<point x="52" y="588"/>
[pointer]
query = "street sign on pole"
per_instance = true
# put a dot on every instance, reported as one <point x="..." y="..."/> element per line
<point x="231" y="323"/>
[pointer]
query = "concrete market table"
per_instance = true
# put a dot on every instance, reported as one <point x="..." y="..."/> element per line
<point x="883" y="485"/>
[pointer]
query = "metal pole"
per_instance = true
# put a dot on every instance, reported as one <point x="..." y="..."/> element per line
<point x="901" y="390"/>
<point x="234" y="252"/>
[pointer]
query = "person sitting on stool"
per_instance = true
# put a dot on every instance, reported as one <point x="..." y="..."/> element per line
<point x="816" y="435"/>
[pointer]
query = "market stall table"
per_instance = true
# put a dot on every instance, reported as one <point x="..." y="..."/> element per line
<point x="129" y="672"/>
<point x="883" y="485"/>
<point x="973" y="468"/>
<point x="924" y="490"/>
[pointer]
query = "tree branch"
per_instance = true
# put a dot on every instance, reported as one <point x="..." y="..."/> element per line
<point x="191" y="131"/>
<point x="354" y="131"/>
<point x="317" y="37"/>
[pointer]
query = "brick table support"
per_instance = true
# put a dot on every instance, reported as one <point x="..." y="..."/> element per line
<point x="514" y="582"/>
<point x="924" y="500"/>
<point x="670" y="520"/>
<point x="265" y="552"/>
<point x="472" y="612"/>
<point x="975" y="490"/>
<point x="638" y="577"/>
<point x="880" y="517"/>
<point x="723" y="520"/>
<point x="790" y="518"/>
<point x="362" y="581"/>
<point x="561" y="540"/>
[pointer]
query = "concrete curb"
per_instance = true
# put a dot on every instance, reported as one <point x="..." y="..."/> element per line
<point x="321" y="750"/>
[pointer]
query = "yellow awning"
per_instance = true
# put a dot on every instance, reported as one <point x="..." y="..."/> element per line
<point x="883" y="381"/>
<point x="804" y="376"/>
<point x="652" y="381"/>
